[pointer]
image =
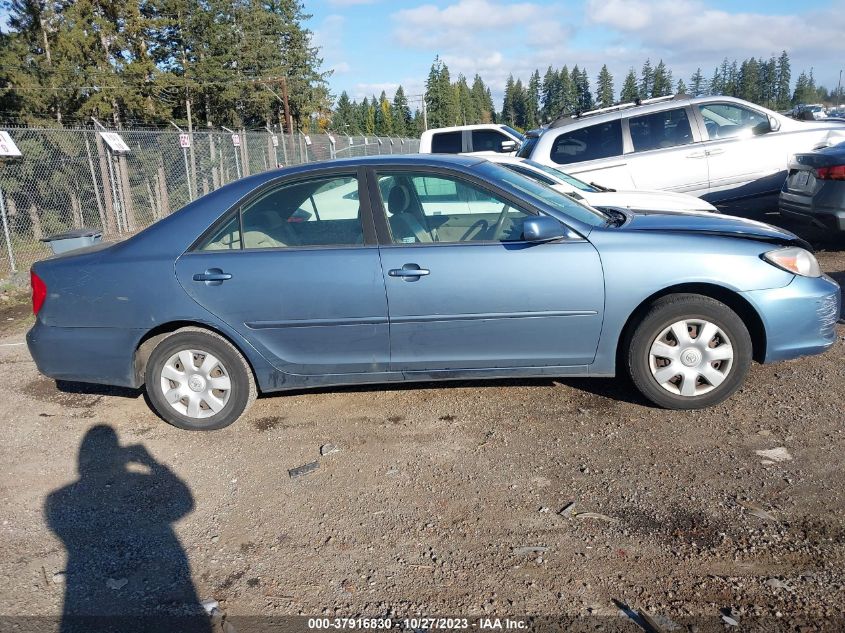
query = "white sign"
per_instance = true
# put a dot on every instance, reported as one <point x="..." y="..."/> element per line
<point x="331" y="139"/>
<point x="351" y="142"/>
<point x="275" y="140"/>
<point x="307" y="140"/>
<point x="236" y="140"/>
<point x="8" y="149"/>
<point x="115" y="142"/>
<point x="184" y="141"/>
<point x="365" y="140"/>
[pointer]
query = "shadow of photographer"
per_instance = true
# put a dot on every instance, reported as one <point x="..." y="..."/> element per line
<point x="126" y="569"/>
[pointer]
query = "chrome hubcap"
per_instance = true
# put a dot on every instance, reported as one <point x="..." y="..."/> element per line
<point x="195" y="383"/>
<point x="691" y="357"/>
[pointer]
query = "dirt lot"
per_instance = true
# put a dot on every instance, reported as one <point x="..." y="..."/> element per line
<point x="441" y="500"/>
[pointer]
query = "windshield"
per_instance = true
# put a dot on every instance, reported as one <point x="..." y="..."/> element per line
<point x="527" y="146"/>
<point x="560" y="175"/>
<point x="512" y="131"/>
<point x="545" y="194"/>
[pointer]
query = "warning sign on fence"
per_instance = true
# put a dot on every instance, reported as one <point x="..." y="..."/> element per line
<point x="275" y="140"/>
<point x="115" y="142"/>
<point x="8" y="149"/>
<point x="184" y="141"/>
<point x="307" y="140"/>
<point x="236" y="140"/>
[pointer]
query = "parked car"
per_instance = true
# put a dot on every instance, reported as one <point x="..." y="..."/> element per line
<point x="226" y="298"/>
<point x="730" y="152"/>
<point x="597" y="196"/>
<point x="484" y="138"/>
<point x="814" y="191"/>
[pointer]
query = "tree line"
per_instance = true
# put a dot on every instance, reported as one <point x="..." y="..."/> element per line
<point x="234" y="62"/>
<point x="565" y="91"/>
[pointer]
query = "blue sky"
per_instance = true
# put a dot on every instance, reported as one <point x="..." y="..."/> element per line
<point x="375" y="45"/>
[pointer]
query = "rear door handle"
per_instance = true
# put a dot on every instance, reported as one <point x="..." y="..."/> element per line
<point x="212" y="277"/>
<point x="715" y="152"/>
<point x="701" y="154"/>
<point x="410" y="272"/>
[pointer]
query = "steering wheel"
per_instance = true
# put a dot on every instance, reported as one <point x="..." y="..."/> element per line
<point x="482" y="224"/>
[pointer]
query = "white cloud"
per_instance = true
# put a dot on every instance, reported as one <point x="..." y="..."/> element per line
<point x="466" y="24"/>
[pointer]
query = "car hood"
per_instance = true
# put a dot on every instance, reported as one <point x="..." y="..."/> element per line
<point x="647" y="200"/>
<point x="711" y="224"/>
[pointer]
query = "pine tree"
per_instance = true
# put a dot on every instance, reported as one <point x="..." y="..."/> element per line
<point x="568" y="91"/>
<point x="384" y="116"/>
<point x="681" y="88"/>
<point x="629" y="88"/>
<point x="550" y="95"/>
<point x="697" y="83"/>
<point x="784" y="78"/>
<point x="749" y="81"/>
<point x="509" y="102"/>
<point x="401" y="113"/>
<point x="532" y="99"/>
<point x="466" y="112"/>
<point x="716" y="85"/>
<point x="662" y="81"/>
<point x="439" y="96"/>
<point x="343" y="119"/>
<point x="520" y="104"/>
<point x="604" y="88"/>
<point x="482" y="100"/>
<point x="646" y="80"/>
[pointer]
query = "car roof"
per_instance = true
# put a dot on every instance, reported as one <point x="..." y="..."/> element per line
<point x="426" y="160"/>
<point x="625" y="109"/>
<point x="459" y="128"/>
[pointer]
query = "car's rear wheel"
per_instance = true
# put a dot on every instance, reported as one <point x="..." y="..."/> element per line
<point x="196" y="380"/>
<point x="689" y="352"/>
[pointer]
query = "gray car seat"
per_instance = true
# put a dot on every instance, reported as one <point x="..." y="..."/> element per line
<point x="404" y="224"/>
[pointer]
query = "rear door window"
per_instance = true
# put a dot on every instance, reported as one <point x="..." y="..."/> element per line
<point x="446" y="143"/>
<point x="602" y="140"/>
<point x="659" y="130"/>
<point x="488" y="141"/>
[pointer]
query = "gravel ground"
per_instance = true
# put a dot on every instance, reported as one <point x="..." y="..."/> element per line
<point x="442" y="499"/>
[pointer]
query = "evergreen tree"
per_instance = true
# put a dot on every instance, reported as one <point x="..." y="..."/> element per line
<point x="662" y="81"/>
<point x="439" y="96"/>
<point x="629" y="88"/>
<point x="550" y="95"/>
<point x="568" y="91"/>
<point x="482" y="100"/>
<point x="646" y="80"/>
<point x="681" y="88"/>
<point x="532" y="102"/>
<point x="716" y="85"/>
<point x="784" y="78"/>
<point x="384" y="116"/>
<point x="402" y="117"/>
<point x="466" y="110"/>
<point x="509" y="102"/>
<point x="749" y="81"/>
<point x="343" y="119"/>
<point x="520" y="104"/>
<point x="697" y="83"/>
<point x="604" y="88"/>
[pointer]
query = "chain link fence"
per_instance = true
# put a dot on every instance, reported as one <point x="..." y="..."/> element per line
<point x="71" y="178"/>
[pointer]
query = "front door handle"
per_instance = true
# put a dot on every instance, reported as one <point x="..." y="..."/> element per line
<point x="716" y="152"/>
<point x="410" y="272"/>
<point x="212" y="277"/>
<point x="701" y="154"/>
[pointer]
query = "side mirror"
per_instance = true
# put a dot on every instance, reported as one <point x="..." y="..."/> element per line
<point x="542" y="228"/>
<point x="774" y="124"/>
<point x="507" y="147"/>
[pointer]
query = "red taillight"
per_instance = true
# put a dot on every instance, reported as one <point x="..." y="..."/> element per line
<point x="837" y="172"/>
<point x="39" y="291"/>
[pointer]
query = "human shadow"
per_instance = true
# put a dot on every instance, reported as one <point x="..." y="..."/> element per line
<point x="126" y="569"/>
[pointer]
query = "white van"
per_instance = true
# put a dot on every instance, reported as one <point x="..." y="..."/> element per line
<point x="484" y="138"/>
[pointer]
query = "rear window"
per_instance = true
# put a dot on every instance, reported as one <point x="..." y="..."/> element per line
<point x="446" y="143"/>
<point x="487" y="141"/>
<point x="660" y="130"/>
<point x="602" y="140"/>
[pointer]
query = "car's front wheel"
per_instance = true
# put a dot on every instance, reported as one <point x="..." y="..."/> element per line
<point x="196" y="380"/>
<point x="689" y="352"/>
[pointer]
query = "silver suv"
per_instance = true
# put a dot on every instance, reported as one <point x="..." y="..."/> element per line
<point x="728" y="151"/>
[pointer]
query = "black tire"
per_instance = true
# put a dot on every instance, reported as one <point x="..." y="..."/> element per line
<point x="687" y="307"/>
<point x="233" y="365"/>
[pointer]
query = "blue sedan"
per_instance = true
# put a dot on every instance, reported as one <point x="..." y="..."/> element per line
<point x="420" y="268"/>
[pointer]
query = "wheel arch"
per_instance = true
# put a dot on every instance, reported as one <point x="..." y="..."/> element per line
<point x="731" y="298"/>
<point x="153" y="337"/>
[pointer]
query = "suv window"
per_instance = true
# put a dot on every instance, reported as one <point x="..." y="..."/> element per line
<point x="669" y="128"/>
<point x="427" y="208"/>
<point x="488" y="141"/>
<point x="447" y="143"/>
<point x="726" y="120"/>
<point x="318" y="212"/>
<point x="602" y="140"/>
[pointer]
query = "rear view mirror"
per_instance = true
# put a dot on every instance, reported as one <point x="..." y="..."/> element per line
<point x="508" y="146"/>
<point x="774" y="124"/>
<point x="542" y="228"/>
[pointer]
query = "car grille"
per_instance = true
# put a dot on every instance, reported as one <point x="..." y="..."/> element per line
<point x="828" y="311"/>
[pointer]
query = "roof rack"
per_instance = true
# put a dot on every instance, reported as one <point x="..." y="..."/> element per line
<point x="569" y="118"/>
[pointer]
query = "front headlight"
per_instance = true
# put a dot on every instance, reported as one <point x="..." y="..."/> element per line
<point x="795" y="260"/>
